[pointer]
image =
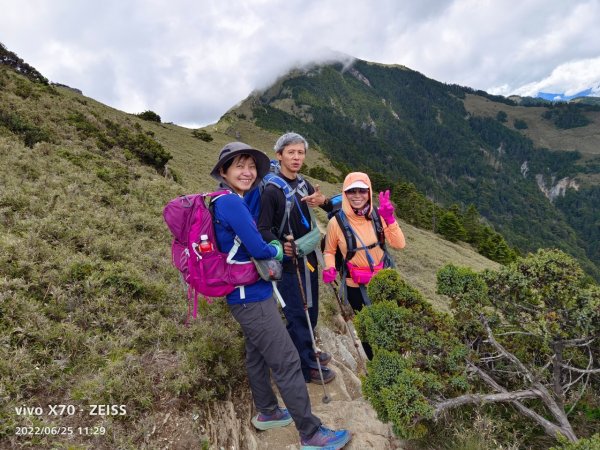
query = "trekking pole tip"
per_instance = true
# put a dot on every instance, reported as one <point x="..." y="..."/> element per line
<point x="326" y="399"/>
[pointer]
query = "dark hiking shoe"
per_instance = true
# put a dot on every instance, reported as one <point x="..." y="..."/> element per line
<point x="328" y="375"/>
<point x="280" y="418"/>
<point x="325" y="438"/>
<point x="324" y="358"/>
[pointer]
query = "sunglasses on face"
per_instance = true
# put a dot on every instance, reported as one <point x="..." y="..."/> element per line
<point x="357" y="191"/>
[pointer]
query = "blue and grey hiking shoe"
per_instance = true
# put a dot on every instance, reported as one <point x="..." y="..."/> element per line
<point x="327" y="439"/>
<point x="279" y="418"/>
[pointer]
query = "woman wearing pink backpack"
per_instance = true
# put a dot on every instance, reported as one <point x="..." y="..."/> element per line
<point x="269" y="348"/>
<point x="360" y="234"/>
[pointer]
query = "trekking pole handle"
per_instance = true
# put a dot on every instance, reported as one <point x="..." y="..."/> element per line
<point x="290" y="240"/>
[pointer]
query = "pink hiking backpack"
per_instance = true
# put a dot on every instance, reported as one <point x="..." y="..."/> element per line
<point x="209" y="272"/>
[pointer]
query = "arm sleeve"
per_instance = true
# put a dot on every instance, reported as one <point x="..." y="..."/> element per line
<point x="268" y="208"/>
<point x="331" y="242"/>
<point x="327" y="206"/>
<point x="393" y="235"/>
<point x="237" y="214"/>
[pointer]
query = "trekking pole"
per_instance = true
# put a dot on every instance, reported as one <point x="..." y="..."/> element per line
<point x="326" y="398"/>
<point x="346" y="320"/>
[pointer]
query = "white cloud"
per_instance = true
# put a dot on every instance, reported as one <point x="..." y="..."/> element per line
<point x="191" y="61"/>
<point x="569" y="79"/>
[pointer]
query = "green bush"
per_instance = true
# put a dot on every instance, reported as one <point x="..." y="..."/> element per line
<point x="320" y="173"/>
<point x="203" y="135"/>
<point x="383" y="370"/>
<point x="592" y="443"/>
<point x="24" y="89"/>
<point x="567" y="116"/>
<point x="150" y="116"/>
<point x="29" y="133"/>
<point x="388" y="285"/>
<point x="82" y="124"/>
<point x="520" y="124"/>
<point x="393" y="387"/>
<point x="146" y="149"/>
<point x="451" y="227"/>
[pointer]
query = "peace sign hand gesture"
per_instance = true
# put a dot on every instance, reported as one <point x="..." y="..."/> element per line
<point x="386" y="209"/>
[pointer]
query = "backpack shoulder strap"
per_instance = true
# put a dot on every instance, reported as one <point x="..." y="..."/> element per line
<point x="288" y="193"/>
<point x="302" y="187"/>
<point x="214" y="196"/>
<point x="237" y="243"/>
<point x="378" y="227"/>
<point x="342" y="221"/>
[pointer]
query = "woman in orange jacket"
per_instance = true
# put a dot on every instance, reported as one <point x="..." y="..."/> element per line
<point x="368" y="259"/>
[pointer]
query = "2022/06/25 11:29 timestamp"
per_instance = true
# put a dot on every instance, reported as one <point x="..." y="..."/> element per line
<point x="59" y="431"/>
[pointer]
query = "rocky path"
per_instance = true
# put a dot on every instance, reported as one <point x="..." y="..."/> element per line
<point x="346" y="409"/>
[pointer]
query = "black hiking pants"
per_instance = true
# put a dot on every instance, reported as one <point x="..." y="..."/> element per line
<point x="357" y="302"/>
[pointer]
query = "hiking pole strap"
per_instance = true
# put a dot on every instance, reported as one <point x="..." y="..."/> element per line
<point x="365" y="296"/>
<point x="318" y="251"/>
<point x="277" y="294"/>
<point x="307" y="283"/>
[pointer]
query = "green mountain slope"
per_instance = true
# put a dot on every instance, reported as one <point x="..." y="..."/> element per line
<point x="450" y="142"/>
<point x="91" y="310"/>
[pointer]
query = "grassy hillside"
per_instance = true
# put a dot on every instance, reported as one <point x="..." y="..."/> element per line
<point x="543" y="133"/>
<point x="91" y="310"/>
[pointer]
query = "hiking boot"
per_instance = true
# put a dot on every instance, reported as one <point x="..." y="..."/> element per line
<point x="279" y="418"/>
<point x="326" y="438"/>
<point x="324" y="358"/>
<point x="328" y="375"/>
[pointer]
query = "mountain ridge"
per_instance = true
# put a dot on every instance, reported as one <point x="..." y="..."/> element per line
<point x="396" y="122"/>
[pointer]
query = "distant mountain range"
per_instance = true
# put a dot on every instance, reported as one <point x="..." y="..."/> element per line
<point x="555" y="97"/>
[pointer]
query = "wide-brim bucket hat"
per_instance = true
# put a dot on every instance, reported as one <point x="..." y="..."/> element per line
<point x="234" y="149"/>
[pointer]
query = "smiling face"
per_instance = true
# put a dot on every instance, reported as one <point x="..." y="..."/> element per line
<point x="357" y="197"/>
<point x="240" y="174"/>
<point x="291" y="159"/>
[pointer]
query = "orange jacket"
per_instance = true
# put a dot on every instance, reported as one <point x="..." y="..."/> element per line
<point x="363" y="228"/>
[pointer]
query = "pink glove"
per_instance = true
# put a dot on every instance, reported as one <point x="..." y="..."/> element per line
<point x="329" y="275"/>
<point x="386" y="209"/>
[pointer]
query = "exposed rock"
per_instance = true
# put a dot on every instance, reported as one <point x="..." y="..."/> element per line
<point x="359" y="76"/>
<point x="525" y="169"/>
<point x="229" y="427"/>
<point x="369" y="125"/>
<point x="558" y="189"/>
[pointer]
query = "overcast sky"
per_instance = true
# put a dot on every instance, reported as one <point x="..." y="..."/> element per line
<point x="192" y="60"/>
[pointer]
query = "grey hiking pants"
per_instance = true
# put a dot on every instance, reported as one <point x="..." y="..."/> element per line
<point x="270" y="348"/>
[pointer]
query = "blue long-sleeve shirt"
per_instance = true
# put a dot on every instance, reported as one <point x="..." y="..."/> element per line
<point x="232" y="217"/>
